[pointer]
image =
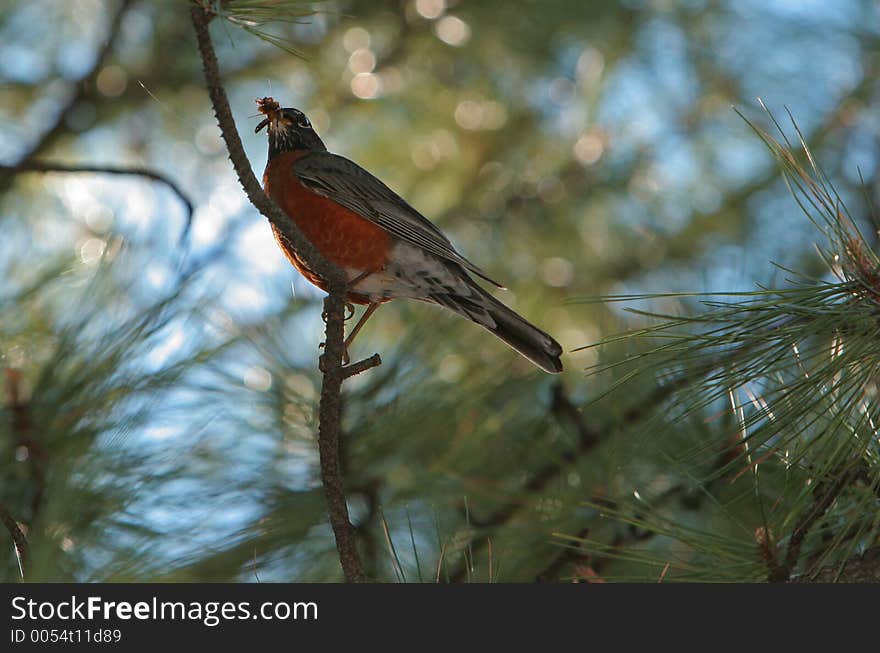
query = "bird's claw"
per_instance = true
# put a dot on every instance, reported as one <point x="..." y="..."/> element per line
<point x="349" y="308"/>
<point x="322" y="364"/>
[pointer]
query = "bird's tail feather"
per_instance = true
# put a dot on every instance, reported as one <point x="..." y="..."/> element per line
<point x="524" y="337"/>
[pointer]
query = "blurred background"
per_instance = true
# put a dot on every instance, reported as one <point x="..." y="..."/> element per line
<point x="160" y="389"/>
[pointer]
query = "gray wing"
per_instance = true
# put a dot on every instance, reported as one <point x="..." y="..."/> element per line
<point x="345" y="182"/>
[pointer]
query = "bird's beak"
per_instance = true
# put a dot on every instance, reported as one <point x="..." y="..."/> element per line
<point x="263" y="123"/>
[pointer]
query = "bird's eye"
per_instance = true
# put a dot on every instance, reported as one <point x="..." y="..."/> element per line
<point x="302" y="121"/>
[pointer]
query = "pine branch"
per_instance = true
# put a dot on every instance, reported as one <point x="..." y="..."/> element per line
<point x="824" y="495"/>
<point x="330" y="408"/>
<point x="684" y="492"/>
<point x="564" y="410"/>
<point x="797" y="366"/>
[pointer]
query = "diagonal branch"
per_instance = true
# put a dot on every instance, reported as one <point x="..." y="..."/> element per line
<point x="332" y="274"/>
<point x="588" y="438"/>
<point x="330" y="409"/>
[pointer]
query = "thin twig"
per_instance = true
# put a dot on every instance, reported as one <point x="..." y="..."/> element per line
<point x="565" y="411"/>
<point x="137" y="171"/>
<point x="330" y="408"/>
<point x="588" y="438"/>
<point x="440" y="562"/>
<point x="663" y="573"/>
<point x="18" y="538"/>
<point x="361" y="366"/>
<point x="689" y="499"/>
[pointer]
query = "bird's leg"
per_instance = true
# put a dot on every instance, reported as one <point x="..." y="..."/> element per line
<point x="357" y="327"/>
<point x="363" y="275"/>
<point x="350" y="308"/>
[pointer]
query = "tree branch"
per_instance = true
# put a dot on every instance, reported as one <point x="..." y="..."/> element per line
<point x="335" y="277"/>
<point x="561" y="408"/>
<point x="330" y="409"/>
<point x="361" y="366"/>
<point x="137" y="171"/>
<point x="329" y="418"/>
<point x="588" y="437"/>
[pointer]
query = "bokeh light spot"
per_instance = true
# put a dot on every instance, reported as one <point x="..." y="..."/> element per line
<point x="257" y="378"/>
<point x="91" y="250"/>
<point x="469" y="114"/>
<point x="366" y="86"/>
<point x="557" y="272"/>
<point x="98" y="217"/>
<point x="362" y="60"/>
<point x="430" y="9"/>
<point x="452" y="31"/>
<point x="589" y="66"/>
<point x="355" y="38"/>
<point x="112" y="81"/>
<point x="589" y="148"/>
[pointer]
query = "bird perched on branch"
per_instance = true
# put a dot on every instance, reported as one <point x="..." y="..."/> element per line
<point x="386" y="247"/>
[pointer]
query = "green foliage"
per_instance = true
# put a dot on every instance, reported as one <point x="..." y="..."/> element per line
<point x="797" y="368"/>
<point x="254" y="15"/>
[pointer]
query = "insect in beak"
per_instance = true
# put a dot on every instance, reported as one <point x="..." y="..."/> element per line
<point x="269" y="108"/>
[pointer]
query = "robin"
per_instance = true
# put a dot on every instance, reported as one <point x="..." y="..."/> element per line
<point x="387" y="248"/>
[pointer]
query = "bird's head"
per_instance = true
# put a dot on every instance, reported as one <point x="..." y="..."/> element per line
<point x="289" y="129"/>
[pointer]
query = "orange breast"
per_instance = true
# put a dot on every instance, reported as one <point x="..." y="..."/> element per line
<point x="341" y="235"/>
